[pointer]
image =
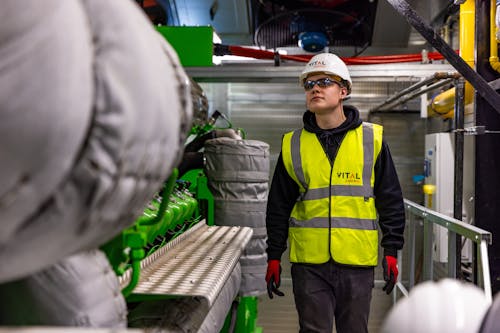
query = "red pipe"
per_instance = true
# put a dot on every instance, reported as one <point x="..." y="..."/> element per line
<point x="263" y="54"/>
<point x="365" y="60"/>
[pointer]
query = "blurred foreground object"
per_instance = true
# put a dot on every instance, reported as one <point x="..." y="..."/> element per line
<point x="95" y="109"/>
<point x="445" y="306"/>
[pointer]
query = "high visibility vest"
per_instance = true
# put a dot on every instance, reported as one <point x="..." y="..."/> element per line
<point x="335" y="215"/>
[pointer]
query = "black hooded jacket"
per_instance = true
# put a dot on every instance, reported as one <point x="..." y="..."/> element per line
<point x="284" y="190"/>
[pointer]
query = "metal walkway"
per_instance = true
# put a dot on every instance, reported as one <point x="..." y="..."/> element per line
<point x="279" y="316"/>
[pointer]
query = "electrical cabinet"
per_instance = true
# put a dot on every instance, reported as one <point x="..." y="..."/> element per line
<point x="439" y="172"/>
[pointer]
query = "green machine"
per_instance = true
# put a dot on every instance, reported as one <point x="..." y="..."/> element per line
<point x="183" y="204"/>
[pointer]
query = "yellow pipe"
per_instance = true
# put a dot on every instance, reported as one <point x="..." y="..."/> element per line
<point x="440" y="104"/>
<point x="494" y="62"/>
<point x="443" y="104"/>
<point x="429" y="190"/>
<point x="467" y="18"/>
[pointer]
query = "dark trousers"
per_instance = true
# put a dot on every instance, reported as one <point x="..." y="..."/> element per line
<point x="330" y="291"/>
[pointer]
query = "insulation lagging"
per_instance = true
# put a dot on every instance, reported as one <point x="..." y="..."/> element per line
<point x="238" y="177"/>
<point x="79" y="291"/>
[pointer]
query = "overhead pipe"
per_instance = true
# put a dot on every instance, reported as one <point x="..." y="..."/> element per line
<point x="255" y="53"/>
<point x="388" y="59"/>
<point x="418" y="93"/>
<point x="412" y="91"/>
<point x="494" y="27"/>
<point x="220" y="50"/>
<point x="447" y="30"/>
<point x="443" y="104"/>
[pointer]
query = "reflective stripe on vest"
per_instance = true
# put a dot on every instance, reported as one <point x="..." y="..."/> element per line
<point x="346" y="187"/>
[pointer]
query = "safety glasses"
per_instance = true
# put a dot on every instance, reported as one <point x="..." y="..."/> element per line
<point x="322" y="83"/>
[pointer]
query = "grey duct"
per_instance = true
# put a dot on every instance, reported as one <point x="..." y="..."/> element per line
<point x="238" y="177"/>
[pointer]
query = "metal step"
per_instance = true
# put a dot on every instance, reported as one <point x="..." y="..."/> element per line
<point x="197" y="263"/>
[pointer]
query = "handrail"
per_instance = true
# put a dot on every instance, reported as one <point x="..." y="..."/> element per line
<point x="455" y="227"/>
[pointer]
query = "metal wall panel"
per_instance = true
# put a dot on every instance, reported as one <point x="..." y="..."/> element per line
<point x="264" y="110"/>
<point x="267" y="110"/>
<point x="405" y="135"/>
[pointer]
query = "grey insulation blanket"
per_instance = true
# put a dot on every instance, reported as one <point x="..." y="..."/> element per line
<point x="238" y="177"/>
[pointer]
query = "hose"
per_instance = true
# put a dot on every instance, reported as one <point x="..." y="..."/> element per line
<point x="167" y="190"/>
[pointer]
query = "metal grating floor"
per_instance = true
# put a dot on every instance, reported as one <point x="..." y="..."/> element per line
<point x="198" y="263"/>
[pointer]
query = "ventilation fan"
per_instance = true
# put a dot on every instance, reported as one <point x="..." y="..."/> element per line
<point x="312" y="29"/>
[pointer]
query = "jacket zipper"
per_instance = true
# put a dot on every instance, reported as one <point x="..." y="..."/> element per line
<point x="332" y="161"/>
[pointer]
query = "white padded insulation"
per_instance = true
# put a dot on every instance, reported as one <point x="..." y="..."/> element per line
<point x="95" y="108"/>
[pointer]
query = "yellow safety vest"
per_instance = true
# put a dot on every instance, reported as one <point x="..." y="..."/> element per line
<point x="335" y="215"/>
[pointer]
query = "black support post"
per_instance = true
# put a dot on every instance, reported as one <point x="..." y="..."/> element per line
<point x="487" y="165"/>
<point x="459" y="166"/>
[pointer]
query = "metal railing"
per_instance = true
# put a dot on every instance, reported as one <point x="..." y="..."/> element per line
<point x="479" y="237"/>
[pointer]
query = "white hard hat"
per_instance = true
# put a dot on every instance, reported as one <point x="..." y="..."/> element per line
<point x="327" y="63"/>
<point x="446" y="306"/>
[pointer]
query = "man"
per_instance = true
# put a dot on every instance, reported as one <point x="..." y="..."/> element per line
<point x="334" y="183"/>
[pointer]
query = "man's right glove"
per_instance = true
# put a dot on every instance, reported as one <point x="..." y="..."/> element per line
<point x="273" y="278"/>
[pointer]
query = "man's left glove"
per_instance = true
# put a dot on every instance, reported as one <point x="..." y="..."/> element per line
<point x="390" y="266"/>
<point x="273" y="279"/>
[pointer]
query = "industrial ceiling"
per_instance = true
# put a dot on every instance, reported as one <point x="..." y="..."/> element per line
<point x="352" y="27"/>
